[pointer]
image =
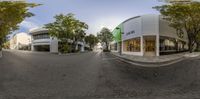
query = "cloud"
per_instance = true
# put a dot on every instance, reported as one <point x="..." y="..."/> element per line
<point x="28" y="25"/>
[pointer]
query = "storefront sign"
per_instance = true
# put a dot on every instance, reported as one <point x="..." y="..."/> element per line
<point x="129" y="33"/>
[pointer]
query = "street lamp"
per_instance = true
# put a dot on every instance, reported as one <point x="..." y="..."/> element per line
<point x="120" y="42"/>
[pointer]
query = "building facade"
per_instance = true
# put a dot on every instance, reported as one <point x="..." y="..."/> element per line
<point x="20" y="41"/>
<point x="150" y="35"/>
<point x="41" y="41"/>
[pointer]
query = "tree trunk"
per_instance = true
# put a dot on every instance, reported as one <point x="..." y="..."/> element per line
<point x="190" y="42"/>
<point x="90" y="47"/>
<point x="107" y="46"/>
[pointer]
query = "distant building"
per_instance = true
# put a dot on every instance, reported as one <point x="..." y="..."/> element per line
<point x="41" y="41"/>
<point x="20" y="41"/>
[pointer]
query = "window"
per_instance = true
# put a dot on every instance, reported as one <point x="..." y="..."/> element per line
<point x="132" y="45"/>
<point x="171" y="44"/>
<point x="41" y="36"/>
<point x="167" y="44"/>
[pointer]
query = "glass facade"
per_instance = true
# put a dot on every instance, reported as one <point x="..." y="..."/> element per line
<point x="171" y="45"/>
<point x="150" y="44"/>
<point x="132" y="45"/>
<point x="41" y="36"/>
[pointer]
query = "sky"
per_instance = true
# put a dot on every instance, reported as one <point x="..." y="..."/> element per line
<point x="96" y="13"/>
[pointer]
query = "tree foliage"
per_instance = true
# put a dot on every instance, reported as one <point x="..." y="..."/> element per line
<point x="67" y="27"/>
<point x="105" y="36"/>
<point x="11" y="14"/>
<point x="92" y="40"/>
<point x="183" y="17"/>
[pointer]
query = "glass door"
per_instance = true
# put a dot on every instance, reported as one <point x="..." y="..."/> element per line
<point x="150" y="45"/>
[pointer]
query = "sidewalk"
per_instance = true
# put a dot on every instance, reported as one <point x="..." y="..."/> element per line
<point x="155" y="61"/>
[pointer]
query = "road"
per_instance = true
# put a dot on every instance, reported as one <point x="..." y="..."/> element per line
<point x="27" y="75"/>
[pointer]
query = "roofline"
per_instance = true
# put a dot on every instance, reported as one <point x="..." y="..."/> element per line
<point x="37" y="31"/>
<point x="130" y="19"/>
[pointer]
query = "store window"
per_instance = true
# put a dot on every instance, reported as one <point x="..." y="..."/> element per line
<point x="113" y="46"/>
<point x="132" y="45"/>
<point x="167" y="44"/>
<point x="171" y="45"/>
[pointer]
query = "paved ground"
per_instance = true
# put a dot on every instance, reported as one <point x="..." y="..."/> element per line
<point x="25" y="75"/>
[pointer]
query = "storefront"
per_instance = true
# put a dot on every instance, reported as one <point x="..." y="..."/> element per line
<point x="150" y="35"/>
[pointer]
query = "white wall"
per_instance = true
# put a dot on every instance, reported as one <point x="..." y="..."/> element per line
<point x="20" y="38"/>
<point x="150" y="24"/>
<point x="23" y="38"/>
<point x="54" y="46"/>
<point x="132" y="25"/>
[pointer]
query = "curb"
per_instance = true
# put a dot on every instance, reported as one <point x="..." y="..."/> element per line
<point x="149" y="64"/>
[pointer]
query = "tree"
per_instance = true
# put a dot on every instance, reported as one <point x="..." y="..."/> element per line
<point x="198" y="42"/>
<point x="67" y="28"/>
<point x="11" y="14"/>
<point x="92" y="40"/>
<point x="183" y="17"/>
<point x="105" y="36"/>
<point x="6" y="45"/>
<point x="79" y="33"/>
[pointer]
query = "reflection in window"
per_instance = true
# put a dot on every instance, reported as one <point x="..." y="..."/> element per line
<point x="132" y="45"/>
<point x="170" y="44"/>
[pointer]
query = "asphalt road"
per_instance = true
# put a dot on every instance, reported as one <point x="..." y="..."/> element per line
<point x="26" y="75"/>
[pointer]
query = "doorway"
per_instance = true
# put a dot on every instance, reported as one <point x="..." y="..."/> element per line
<point x="150" y="46"/>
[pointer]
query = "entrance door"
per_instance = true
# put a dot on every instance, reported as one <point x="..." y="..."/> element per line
<point x="150" y="46"/>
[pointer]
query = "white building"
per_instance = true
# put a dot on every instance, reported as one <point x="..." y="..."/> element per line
<point x="150" y="35"/>
<point x="20" y="41"/>
<point x="41" y="41"/>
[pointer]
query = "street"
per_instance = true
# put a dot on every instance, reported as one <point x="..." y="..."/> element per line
<point x="31" y="75"/>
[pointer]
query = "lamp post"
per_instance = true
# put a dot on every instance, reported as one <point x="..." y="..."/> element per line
<point x="120" y="42"/>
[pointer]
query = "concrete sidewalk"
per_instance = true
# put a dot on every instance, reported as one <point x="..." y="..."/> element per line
<point x="155" y="61"/>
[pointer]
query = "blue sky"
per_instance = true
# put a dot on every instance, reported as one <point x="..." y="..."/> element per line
<point x="96" y="13"/>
